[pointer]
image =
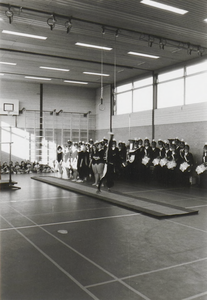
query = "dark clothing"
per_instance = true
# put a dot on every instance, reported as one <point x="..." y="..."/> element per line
<point x="122" y="154"/>
<point x="204" y="157"/>
<point x="147" y="152"/>
<point x="168" y="154"/>
<point x="98" y="156"/>
<point x="83" y="164"/>
<point x="185" y="175"/>
<point x="59" y="156"/>
<point x="161" y="153"/>
<point x="188" y="158"/>
<point x="155" y="153"/>
<point x="110" y="164"/>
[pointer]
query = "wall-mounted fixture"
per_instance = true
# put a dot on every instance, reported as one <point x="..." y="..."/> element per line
<point x="200" y="51"/>
<point x="150" y="41"/>
<point x="86" y="114"/>
<point x="51" y="22"/>
<point x="68" y="25"/>
<point x="9" y="15"/>
<point x="59" y="112"/>
<point x="162" y="42"/>
<point x="22" y="110"/>
<point x="52" y="112"/>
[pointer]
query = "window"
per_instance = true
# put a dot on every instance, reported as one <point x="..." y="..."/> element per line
<point x="183" y="86"/>
<point x="124" y="103"/>
<point x="196" y="79"/>
<point x="196" y="68"/>
<point x="196" y="88"/>
<point x="143" y="82"/>
<point x="170" y="93"/>
<point x="171" y="75"/>
<point x="142" y="99"/>
<point x="141" y="91"/>
<point x="124" y="88"/>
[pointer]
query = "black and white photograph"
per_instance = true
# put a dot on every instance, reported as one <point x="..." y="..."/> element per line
<point x="103" y="150"/>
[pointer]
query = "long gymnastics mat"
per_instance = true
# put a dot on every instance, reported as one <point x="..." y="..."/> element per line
<point x="141" y="205"/>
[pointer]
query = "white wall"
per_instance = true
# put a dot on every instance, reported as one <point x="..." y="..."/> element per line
<point x="68" y="98"/>
<point x="188" y="122"/>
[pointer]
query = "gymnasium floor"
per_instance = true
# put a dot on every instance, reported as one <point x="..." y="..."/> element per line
<point x="59" y="245"/>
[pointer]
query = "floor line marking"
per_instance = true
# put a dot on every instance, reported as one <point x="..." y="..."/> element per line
<point x="163" y="191"/>
<point x="66" y="222"/>
<point x="16" y="228"/>
<point x="68" y="211"/>
<point x="87" y="259"/>
<point x="54" y="263"/>
<point x="100" y="283"/>
<point x="194" y="198"/>
<point x="164" y="269"/>
<point x="142" y="191"/>
<point x="196" y="296"/>
<point x="39" y="199"/>
<point x="196" y="206"/>
<point x="191" y="227"/>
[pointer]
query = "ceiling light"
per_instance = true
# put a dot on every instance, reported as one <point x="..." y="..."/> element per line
<point x="142" y="54"/>
<point x="7" y="63"/>
<point x="55" y="69"/>
<point x="1" y="74"/>
<point x="93" y="46"/>
<point x="51" y="22"/>
<point x="77" y="82"/>
<point x="164" y="6"/>
<point x="9" y="15"/>
<point x="98" y="74"/>
<point x="24" y="34"/>
<point x="205" y="20"/>
<point x="68" y="25"/>
<point x="39" y="78"/>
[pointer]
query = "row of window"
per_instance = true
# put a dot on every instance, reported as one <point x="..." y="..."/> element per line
<point x="186" y="85"/>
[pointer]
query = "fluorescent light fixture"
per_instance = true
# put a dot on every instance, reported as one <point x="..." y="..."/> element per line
<point x="55" y="69"/>
<point x="7" y="63"/>
<point x="164" y="6"/>
<point x="205" y="20"/>
<point x="93" y="46"/>
<point x="39" y="78"/>
<point x="1" y="74"/>
<point x="98" y="74"/>
<point x="73" y="81"/>
<point x="142" y="54"/>
<point x="24" y="34"/>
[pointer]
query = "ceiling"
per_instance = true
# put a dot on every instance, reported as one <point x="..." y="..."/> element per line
<point x="123" y="25"/>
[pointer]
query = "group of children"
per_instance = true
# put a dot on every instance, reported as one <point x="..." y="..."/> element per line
<point x="25" y="167"/>
<point x="167" y="161"/>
